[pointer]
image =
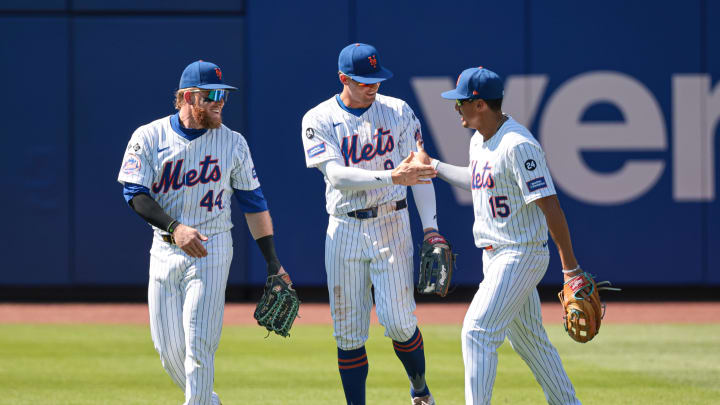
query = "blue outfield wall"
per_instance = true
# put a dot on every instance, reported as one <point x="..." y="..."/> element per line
<point x="627" y="111"/>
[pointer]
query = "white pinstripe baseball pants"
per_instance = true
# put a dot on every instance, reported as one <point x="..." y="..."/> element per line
<point x="377" y="252"/>
<point x="507" y="304"/>
<point x="186" y="299"/>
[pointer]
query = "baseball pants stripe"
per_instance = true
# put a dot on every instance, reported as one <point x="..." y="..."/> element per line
<point x="506" y="303"/>
<point x="360" y="254"/>
<point x="186" y="300"/>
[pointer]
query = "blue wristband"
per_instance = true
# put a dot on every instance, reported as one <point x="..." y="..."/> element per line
<point x="431" y="231"/>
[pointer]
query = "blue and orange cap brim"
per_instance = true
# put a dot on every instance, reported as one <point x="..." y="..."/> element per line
<point x="454" y="95"/>
<point x="372" y="78"/>
<point x="215" y="87"/>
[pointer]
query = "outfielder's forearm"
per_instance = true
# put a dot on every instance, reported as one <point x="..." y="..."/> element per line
<point x="424" y="196"/>
<point x="458" y="176"/>
<point x="559" y="230"/>
<point x="151" y="211"/>
<point x="355" y="178"/>
<point x="260" y="225"/>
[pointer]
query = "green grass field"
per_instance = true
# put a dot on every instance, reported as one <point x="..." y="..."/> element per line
<point x="116" y="364"/>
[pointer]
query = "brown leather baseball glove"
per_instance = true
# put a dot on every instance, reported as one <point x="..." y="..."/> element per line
<point x="583" y="310"/>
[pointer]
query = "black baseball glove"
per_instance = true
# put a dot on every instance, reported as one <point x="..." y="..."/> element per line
<point x="437" y="262"/>
<point x="278" y="306"/>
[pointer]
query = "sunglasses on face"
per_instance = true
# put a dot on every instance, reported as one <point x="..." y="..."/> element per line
<point x="213" y="95"/>
<point x="463" y="101"/>
<point x="365" y="84"/>
<point x="361" y="84"/>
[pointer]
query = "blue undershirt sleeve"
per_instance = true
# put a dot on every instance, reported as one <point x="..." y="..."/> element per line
<point x="131" y="190"/>
<point x="251" y="200"/>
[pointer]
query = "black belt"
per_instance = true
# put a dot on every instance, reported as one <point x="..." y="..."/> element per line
<point x="168" y="238"/>
<point x="372" y="212"/>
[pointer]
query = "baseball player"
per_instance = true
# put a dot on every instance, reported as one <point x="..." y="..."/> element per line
<point x="363" y="144"/>
<point x="514" y="204"/>
<point x="179" y="173"/>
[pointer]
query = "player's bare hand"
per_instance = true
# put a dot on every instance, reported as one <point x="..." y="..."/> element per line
<point x="422" y="156"/>
<point x="190" y="240"/>
<point x="411" y="172"/>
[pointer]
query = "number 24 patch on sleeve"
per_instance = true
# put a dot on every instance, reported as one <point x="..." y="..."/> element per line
<point x="536" y="184"/>
<point x="316" y="150"/>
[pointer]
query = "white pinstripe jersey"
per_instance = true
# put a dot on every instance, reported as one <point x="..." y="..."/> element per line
<point x="379" y="139"/>
<point x="508" y="172"/>
<point x="192" y="181"/>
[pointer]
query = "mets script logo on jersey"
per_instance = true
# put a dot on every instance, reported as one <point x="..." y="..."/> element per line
<point x="132" y="164"/>
<point x="484" y="179"/>
<point x="384" y="143"/>
<point x="173" y="176"/>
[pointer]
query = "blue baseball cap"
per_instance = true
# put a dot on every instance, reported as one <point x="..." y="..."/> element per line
<point x="362" y="63"/>
<point x="203" y="75"/>
<point x="477" y="83"/>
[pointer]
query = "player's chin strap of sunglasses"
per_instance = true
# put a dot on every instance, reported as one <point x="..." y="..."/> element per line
<point x="373" y="212"/>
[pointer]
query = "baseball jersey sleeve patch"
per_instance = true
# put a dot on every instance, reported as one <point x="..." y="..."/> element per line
<point x="310" y="133"/>
<point x="530" y="165"/>
<point x="316" y="150"/>
<point x="132" y="165"/>
<point x="536" y="184"/>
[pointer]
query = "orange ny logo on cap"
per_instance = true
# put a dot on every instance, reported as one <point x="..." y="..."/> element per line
<point x="218" y="73"/>
<point x="373" y="61"/>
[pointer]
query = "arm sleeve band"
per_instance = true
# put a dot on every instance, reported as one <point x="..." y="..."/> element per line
<point x="251" y="200"/>
<point x="267" y="247"/>
<point x="150" y="211"/>
<point x="458" y="176"/>
<point x="354" y="178"/>
<point x="424" y="196"/>
<point x="131" y="190"/>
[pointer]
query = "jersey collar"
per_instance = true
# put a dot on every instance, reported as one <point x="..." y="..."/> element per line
<point x="354" y="111"/>
<point x="187" y="133"/>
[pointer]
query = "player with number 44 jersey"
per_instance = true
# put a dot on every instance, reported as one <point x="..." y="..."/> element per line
<point x="178" y="174"/>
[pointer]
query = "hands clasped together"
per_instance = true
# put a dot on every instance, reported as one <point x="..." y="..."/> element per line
<point x="415" y="169"/>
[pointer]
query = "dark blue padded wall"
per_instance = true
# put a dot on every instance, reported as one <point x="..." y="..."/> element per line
<point x="128" y="82"/>
<point x="36" y="5"/>
<point x="711" y="60"/>
<point x="292" y="66"/>
<point x="632" y="241"/>
<point x="159" y="5"/>
<point x="35" y="179"/>
<point x="596" y="84"/>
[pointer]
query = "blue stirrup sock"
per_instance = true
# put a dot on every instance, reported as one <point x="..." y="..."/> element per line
<point x="412" y="355"/>
<point x="353" y="366"/>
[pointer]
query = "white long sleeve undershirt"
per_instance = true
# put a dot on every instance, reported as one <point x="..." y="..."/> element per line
<point x="458" y="176"/>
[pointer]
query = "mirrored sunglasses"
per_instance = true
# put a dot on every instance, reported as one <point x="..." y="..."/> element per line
<point x="214" y="95"/>
<point x="361" y="84"/>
